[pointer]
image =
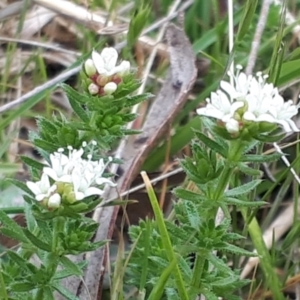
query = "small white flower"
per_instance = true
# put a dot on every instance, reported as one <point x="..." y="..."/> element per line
<point x="110" y="88"/>
<point x="105" y="62"/>
<point x="41" y="189"/>
<point x="259" y="102"/>
<point x="84" y="175"/>
<point x="282" y="112"/>
<point x="219" y="106"/>
<point x="54" y="201"/>
<point x="61" y="165"/>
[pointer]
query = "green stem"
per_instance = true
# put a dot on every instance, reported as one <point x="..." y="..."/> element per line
<point x="234" y="153"/>
<point x="3" y="292"/>
<point x="40" y="294"/>
<point x="13" y="210"/>
<point x="265" y="258"/>
<point x="57" y="227"/>
<point x="223" y="181"/>
<point x="198" y="270"/>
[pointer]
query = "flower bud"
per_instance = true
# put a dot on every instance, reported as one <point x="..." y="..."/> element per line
<point x="54" y="201"/>
<point x="232" y="126"/>
<point x="102" y="80"/>
<point x="110" y="88"/>
<point x="89" y="67"/>
<point x="93" y="89"/>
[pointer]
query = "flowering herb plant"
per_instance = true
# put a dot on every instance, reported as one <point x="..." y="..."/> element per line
<point x="69" y="182"/>
<point x="241" y="116"/>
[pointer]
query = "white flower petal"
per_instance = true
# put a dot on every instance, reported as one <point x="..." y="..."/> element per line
<point x="110" y="57"/>
<point x="103" y="180"/>
<point x="51" y="173"/>
<point x="249" y="116"/>
<point x="98" y="61"/>
<point x="33" y="187"/>
<point x="93" y="191"/>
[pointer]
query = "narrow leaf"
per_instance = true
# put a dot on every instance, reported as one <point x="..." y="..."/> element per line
<point x="63" y="291"/>
<point x="37" y="242"/>
<point x="12" y="225"/>
<point x="188" y="195"/>
<point x="23" y="286"/>
<point x="238" y="202"/>
<point x="32" y="163"/>
<point x="70" y="266"/>
<point x="254" y="158"/>
<point x="247" y="18"/>
<point x="211" y="144"/>
<point x="244" y="189"/>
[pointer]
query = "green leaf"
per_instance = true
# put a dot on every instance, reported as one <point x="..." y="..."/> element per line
<point x="8" y="168"/>
<point x="47" y="128"/>
<point x="47" y="146"/>
<point x="30" y="220"/>
<point x="66" y="273"/>
<point x="37" y="242"/>
<point x="70" y="266"/>
<point x="159" y="287"/>
<point x="238" y="202"/>
<point x="247" y="18"/>
<point x="137" y="23"/>
<point x="63" y="291"/>
<point x="210" y="295"/>
<point x="21" y="262"/>
<point x="132" y="100"/>
<point x="254" y="158"/>
<point x="289" y="71"/>
<point x="188" y="195"/>
<point x="292" y="237"/>
<point x="23" y="287"/>
<point x="246" y="188"/>
<point x="236" y="250"/>
<point x="9" y="224"/>
<point x="218" y="263"/>
<point x="48" y="293"/>
<point x="211" y="144"/>
<point x="192" y="214"/>
<point x="15" y="235"/>
<point x="20" y="184"/>
<point x="32" y="163"/>
<point x="278" y="50"/>
<point x="75" y="100"/>
<point x="71" y="93"/>
<point x="248" y="170"/>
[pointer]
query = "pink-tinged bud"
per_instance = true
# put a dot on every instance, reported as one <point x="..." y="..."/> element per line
<point x="89" y="67"/>
<point x="54" y="201"/>
<point x="102" y="80"/>
<point x="93" y="89"/>
<point x="116" y="79"/>
<point x="110" y="88"/>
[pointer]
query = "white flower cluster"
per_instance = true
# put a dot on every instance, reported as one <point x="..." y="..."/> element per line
<point x="249" y="99"/>
<point x="103" y="71"/>
<point x="74" y="178"/>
